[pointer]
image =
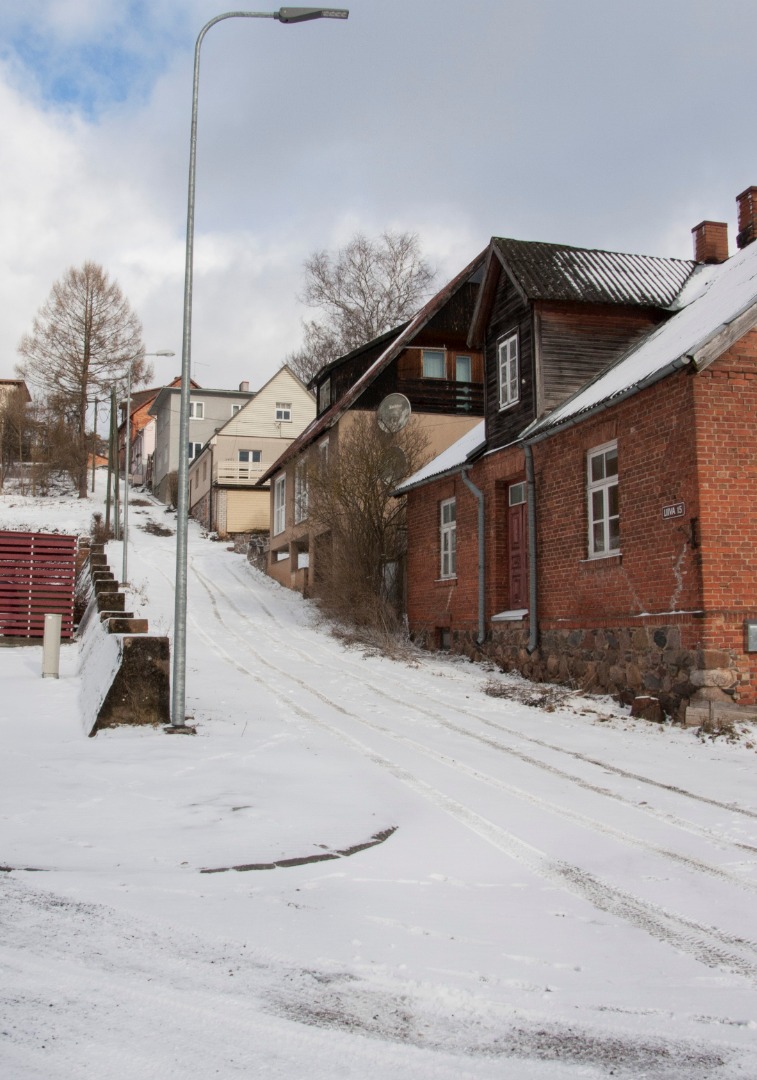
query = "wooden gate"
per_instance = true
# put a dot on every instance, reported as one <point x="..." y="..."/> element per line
<point x="37" y="578"/>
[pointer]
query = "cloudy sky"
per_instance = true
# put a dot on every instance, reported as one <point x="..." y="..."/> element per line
<point x="600" y="123"/>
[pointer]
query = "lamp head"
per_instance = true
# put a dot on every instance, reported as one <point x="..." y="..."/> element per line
<point x="301" y="14"/>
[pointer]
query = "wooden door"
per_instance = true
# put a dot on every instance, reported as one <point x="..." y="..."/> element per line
<point x="517" y="543"/>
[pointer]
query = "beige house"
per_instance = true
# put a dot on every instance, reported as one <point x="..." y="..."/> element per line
<point x="222" y="477"/>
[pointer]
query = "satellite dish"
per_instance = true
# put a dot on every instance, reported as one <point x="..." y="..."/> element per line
<point x="393" y="413"/>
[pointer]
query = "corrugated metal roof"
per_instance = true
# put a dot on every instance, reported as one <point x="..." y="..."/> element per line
<point x="584" y="275"/>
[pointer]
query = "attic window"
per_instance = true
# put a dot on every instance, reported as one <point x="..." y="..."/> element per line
<point x="324" y="395"/>
<point x="284" y="410"/>
<point x="507" y="367"/>
<point x="433" y="364"/>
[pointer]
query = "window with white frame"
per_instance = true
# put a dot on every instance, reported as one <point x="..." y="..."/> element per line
<point x="196" y="410"/>
<point x="283" y="410"/>
<point x="434" y="364"/>
<point x="323" y="455"/>
<point x="602" y="490"/>
<point x="448" y="537"/>
<point x="255" y="456"/>
<point x="300" y="491"/>
<point x="235" y="409"/>
<point x="507" y="369"/>
<point x="463" y="369"/>
<point x="324" y="395"/>
<point x="279" y="504"/>
<point x="195" y="449"/>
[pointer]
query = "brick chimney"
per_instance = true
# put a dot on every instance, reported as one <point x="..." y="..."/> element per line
<point x="710" y="241"/>
<point x="747" y="204"/>
<point x="244" y="387"/>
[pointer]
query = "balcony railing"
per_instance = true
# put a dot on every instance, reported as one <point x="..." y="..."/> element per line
<point x="444" y="396"/>
<point x="233" y="472"/>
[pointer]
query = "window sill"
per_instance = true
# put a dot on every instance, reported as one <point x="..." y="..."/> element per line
<point x="615" y="558"/>
<point x="452" y="580"/>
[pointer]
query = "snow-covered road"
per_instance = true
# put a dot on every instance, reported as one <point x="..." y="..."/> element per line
<point x="363" y="866"/>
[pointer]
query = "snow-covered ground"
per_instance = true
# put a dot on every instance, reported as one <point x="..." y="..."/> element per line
<point x="411" y="877"/>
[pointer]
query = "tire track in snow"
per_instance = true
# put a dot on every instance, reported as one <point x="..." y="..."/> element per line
<point x="472" y="714"/>
<point x="707" y="944"/>
<point x="669" y="819"/>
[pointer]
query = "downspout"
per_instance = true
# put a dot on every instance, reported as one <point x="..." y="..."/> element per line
<point x="210" y="493"/>
<point x="479" y="495"/>
<point x="533" y="633"/>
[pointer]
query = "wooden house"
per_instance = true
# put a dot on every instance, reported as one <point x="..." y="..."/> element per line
<point x="424" y="366"/>
<point x="604" y="540"/>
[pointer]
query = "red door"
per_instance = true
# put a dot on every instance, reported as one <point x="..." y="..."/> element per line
<point x="517" y="543"/>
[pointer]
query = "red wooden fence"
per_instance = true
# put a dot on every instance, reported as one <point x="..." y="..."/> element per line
<point x="37" y="578"/>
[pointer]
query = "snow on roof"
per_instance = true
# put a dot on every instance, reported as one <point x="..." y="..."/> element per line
<point x="454" y="457"/>
<point x="715" y="298"/>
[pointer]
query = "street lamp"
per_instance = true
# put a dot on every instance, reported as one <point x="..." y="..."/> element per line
<point x="179" y="668"/>
<point x="127" y="459"/>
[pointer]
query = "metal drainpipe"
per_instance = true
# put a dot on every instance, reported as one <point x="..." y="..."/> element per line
<point x="481" y="566"/>
<point x="210" y="494"/>
<point x="533" y="633"/>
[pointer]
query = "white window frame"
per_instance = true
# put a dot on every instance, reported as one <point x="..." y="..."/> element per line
<point x="434" y="353"/>
<point x="300" y="491"/>
<point x="279" y="504"/>
<point x="235" y="409"/>
<point x="448" y="537"/>
<point x="284" y="412"/>
<point x="602" y="489"/>
<point x="508" y="370"/>
<point x="195" y="449"/>
<point x="323" y="455"/>
<point x="324" y="395"/>
<point x="196" y="410"/>
<point x="254" y="457"/>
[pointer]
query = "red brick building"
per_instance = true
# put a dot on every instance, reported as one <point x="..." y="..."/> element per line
<point x="608" y="540"/>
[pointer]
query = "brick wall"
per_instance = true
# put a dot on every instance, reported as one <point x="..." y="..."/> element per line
<point x="665" y="615"/>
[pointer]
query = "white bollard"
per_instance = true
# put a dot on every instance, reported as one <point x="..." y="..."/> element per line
<point x="51" y="647"/>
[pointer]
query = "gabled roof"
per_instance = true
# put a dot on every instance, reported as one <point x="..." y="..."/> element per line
<point x="558" y="272"/>
<point x="387" y="336"/>
<point x="167" y="391"/>
<point x="273" y="378"/>
<point x="721" y="306"/>
<point x="402" y="340"/>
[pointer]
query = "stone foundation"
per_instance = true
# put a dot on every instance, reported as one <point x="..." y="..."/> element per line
<point x="646" y="661"/>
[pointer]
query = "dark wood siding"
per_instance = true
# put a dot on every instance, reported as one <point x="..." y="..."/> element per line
<point x="509" y="312"/>
<point x="577" y="341"/>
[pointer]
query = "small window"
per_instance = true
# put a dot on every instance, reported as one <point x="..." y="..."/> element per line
<point x="283" y="411"/>
<point x="254" y="456"/>
<point x="196" y="410"/>
<point x="507" y="361"/>
<point x="602" y="490"/>
<point x="324" y="395"/>
<point x="195" y="449"/>
<point x="433" y="364"/>
<point x="448" y="538"/>
<point x="463" y="369"/>
<point x="323" y="455"/>
<point x="279" y="504"/>
<point x="516" y="494"/>
<point x="235" y="409"/>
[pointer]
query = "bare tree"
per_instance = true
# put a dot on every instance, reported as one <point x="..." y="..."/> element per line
<point x="15" y="431"/>
<point x="361" y="524"/>
<point x="83" y="338"/>
<point x="361" y="290"/>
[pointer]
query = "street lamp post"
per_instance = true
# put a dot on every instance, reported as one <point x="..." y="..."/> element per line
<point x="178" y="688"/>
